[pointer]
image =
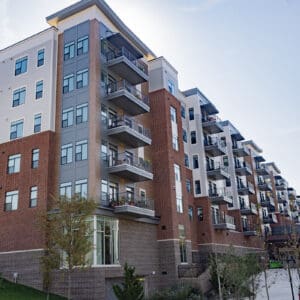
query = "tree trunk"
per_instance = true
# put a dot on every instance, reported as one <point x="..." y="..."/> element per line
<point x="266" y="283"/>
<point x="219" y="280"/>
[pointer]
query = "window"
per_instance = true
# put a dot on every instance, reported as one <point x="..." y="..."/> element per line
<point x="193" y="137"/>
<point x="191" y="113"/>
<point x="16" y="129"/>
<point x="19" y="97"/>
<point x="37" y="123"/>
<point x="195" y="162"/>
<point x="14" y="162"/>
<point x="81" y="113"/>
<point x="182" y="244"/>
<point x="81" y="150"/>
<point x="107" y="247"/>
<point x="173" y="114"/>
<point x="81" y="188"/>
<point x="68" y="83"/>
<point x="184" y="135"/>
<point x="186" y="161"/>
<point x="40" y="57"/>
<point x="67" y="117"/>
<point x="197" y="187"/>
<point x="82" y="78"/>
<point x="191" y="213"/>
<point x="11" y="200"/>
<point x="177" y="173"/>
<point x="35" y="158"/>
<point x="66" y="154"/>
<point x="83" y="45"/>
<point x="182" y="111"/>
<point x="188" y="186"/>
<point x="225" y="161"/>
<point x="33" y="196"/>
<point x="171" y="87"/>
<point x="39" y="89"/>
<point x="65" y="190"/>
<point x="69" y="50"/>
<point x="21" y="66"/>
<point x="200" y="213"/>
<point x="179" y="204"/>
<point x="175" y="143"/>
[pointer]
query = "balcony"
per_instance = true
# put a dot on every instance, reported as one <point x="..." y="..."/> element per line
<point x="247" y="209"/>
<point x="281" y="199"/>
<point x="127" y="66"/>
<point x="267" y="202"/>
<point x="249" y="230"/>
<point x="217" y="172"/>
<point x="223" y="222"/>
<point x="127" y="97"/>
<point x="240" y="151"/>
<point x="264" y="186"/>
<point x="260" y="170"/>
<point x="243" y="169"/>
<point x="214" y="147"/>
<point x="280" y="186"/>
<point x="131" y="133"/>
<point x="270" y="219"/>
<point x="129" y="167"/>
<point x="211" y="125"/>
<point x="220" y="196"/>
<point x="245" y="189"/>
<point x="128" y="204"/>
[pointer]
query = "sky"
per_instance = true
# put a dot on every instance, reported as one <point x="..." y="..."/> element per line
<point x="244" y="55"/>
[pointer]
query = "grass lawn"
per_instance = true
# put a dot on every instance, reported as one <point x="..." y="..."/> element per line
<point x="12" y="291"/>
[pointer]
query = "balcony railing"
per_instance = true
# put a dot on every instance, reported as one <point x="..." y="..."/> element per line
<point x="124" y="158"/>
<point x="211" y="124"/>
<point x="110" y="55"/>
<point x="124" y="85"/>
<point x="217" y="171"/>
<point x="247" y="209"/>
<point x="219" y="196"/>
<point x="223" y="221"/>
<point x="214" y="146"/>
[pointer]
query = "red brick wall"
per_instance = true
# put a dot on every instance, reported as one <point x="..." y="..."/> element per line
<point x="163" y="158"/>
<point x="18" y="229"/>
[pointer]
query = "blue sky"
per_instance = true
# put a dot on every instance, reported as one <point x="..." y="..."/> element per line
<point x="243" y="54"/>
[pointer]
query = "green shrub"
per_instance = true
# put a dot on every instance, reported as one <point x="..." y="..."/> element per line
<point x="178" y="293"/>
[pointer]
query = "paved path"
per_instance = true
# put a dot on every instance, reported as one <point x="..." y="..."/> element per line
<point x="279" y="285"/>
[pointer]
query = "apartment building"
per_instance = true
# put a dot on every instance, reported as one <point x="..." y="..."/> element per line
<point x="86" y="107"/>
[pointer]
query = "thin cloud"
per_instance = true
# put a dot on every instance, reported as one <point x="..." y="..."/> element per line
<point x="203" y="6"/>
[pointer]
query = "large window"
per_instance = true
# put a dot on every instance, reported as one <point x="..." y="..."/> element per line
<point x="35" y="158"/>
<point x="69" y="50"/>
<point x="107" y="248"/>
<point x="188" y="186"/>
<point x="41" y="57"/>
<point x="14" y="162"/>
<point x="182" y="111"/>
<point x="81" y="113"/>
<point x="186" y="161"/>
<point x="171" y="87"/>
<point x="16" y="129"/>
<point x="67" y="117"/>
<point x="182" y="244"/>
<point x="81" y="188"/>
<point x="33" y="196"/>
<point x="81" y="150"/>
<point x="197" y="187"/>
<point x="173" y="114"/>
<point x="184" y="135"/>
<point x="68" y="83"/>
<point x="39" y="89"/>
<point x="19" y="96"/>
<point x="82" y="78"/>
<point x="65" y="190"/>
<point x="37" y="123"/>
<point x="21" y="65"/>
<point x="11" y="200"/>
<point x="195" y="162"/>
<point x="191" y="114"/>
<point x="83" y="45"/>
<point x="66" y="154"/>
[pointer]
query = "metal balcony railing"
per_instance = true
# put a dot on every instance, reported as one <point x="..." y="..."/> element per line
<point x="222" y="218"/>
<point x="125" y="159"/>
<point x="221" y="192"/>
<point x="119" y="199"/>
<point x="125" y="85"/>
<point x="129" y="122"/>
<point x="209" y="141"/>
<point x="112" y="54"/>
<point x="216" y="166"/>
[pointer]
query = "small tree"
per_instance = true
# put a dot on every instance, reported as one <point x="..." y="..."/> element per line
<point x="131" y="289"/>
<point x="67" y="231"/>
